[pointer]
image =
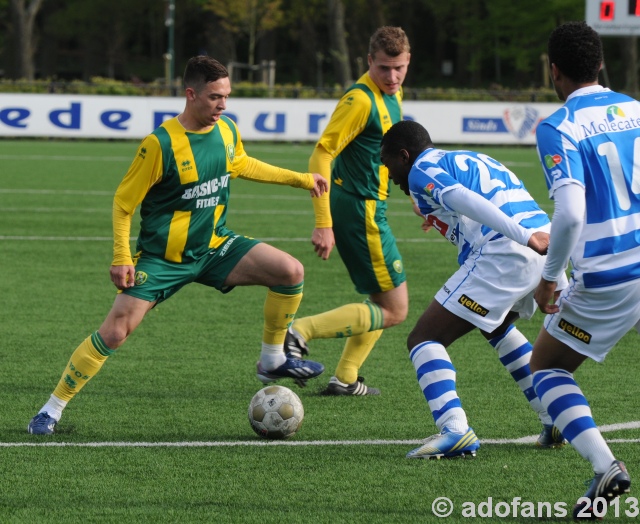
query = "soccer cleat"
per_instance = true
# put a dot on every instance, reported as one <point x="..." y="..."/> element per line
<point x="42" y="424"/>
<point x="550" y="437"/>
<point x="357" y="388"/>
<point x="448" y="445"/>
<point x="294" y="345"/>
<point x="299" y="370"/>
<point x="608" y="485"/>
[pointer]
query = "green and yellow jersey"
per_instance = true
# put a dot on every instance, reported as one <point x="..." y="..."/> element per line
<point x="352" y="137"/>
<point x="181" y="179"/>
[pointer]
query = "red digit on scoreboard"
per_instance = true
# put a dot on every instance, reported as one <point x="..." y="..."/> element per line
<point x="607" y="11"/>
<point x="634" y="7"/>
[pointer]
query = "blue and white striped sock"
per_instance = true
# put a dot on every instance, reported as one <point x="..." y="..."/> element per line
<point x="514" y="351"/>
<point x="571" y="414"/>
<point x="437" y="378"/>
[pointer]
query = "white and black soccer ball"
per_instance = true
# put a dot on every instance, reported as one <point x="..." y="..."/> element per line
<point x="275" y="412"/>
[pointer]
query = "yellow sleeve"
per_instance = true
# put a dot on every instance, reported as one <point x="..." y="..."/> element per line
<point x="348" y="120"/>
<point x="121" y="234"/>
<point x="258" y="171"/>
<point x="144" y="172"/>
<point x="320" y="162"/>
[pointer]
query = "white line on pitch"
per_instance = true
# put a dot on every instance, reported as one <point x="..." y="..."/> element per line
<point x="524" y="440"/>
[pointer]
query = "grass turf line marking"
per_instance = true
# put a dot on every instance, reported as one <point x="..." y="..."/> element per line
<point x="261" y="443"/>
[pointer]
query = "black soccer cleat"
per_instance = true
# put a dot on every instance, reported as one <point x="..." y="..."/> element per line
<point x="357" y="388"/>
<point x="294" y="345"/>
<point x="608" y="485"/>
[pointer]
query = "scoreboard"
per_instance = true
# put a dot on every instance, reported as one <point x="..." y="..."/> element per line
<point x="614" y="17"/>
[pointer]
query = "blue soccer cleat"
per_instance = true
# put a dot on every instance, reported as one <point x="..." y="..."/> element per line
<point x="42" y="424"/>
<point x="608" y="485"/>
<point x="448" y="445"/>
<point x="550" y="437"/>
<point x="299" y="370"/>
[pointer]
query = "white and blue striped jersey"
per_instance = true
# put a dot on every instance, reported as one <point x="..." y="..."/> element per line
<point x="436" y="171"/>
<point x="594" y="141"/>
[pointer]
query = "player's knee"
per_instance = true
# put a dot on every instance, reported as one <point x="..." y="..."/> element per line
<point x="113" y="341"/>
<point x="293" y="271"/>
<point x="114" y="337"/>
<point x="394" y="317"/>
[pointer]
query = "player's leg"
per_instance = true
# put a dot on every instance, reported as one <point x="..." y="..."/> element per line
<point x="394" y="305"/>
<point x="368" y="249"/>
<point x="553" y="365"/>
<point x="435" y="330"/>
<point x="514" y="352"/>
<point x="283" y="275"/>
<point x="88" y="358"/>
<point x="589" y="324"/>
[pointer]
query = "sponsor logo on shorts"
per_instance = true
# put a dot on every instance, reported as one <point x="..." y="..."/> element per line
<point x="224" y="249"/>
<point x="140" y="278"/>
<point x="397" y="266"/>
<point x="574" y="331"/>
<point x="472" y="305"/>
<point x="446" y="290"/>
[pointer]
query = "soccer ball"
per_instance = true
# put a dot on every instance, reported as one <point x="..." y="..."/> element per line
<point x="275" y="412"/>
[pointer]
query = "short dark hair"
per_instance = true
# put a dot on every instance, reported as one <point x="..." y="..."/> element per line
<point x="390" y="40"/>
<point x="576" y="49"/>
<point x="408" y="135"/>
<point x="201" y="70"/>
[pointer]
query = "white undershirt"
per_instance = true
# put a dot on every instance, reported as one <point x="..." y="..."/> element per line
<point x="566" y="226"/>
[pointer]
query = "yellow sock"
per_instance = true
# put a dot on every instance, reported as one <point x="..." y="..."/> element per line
<point x="84" y="363"/>
<point x="346" y="321"/>
<point x="280" y="309"/>
<point x="355" y="352"/>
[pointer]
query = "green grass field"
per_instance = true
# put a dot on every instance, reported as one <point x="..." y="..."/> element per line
<point x="161" y="434"/>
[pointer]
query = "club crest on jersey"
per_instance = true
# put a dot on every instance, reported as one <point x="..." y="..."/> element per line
<point x="473" y="306"/>
<point x="397" y="266"/>
<point x="429" y="188"/>
<point x="231" y="152"/>
<point x="142" y="153"/>
<point x="574" y="331"/>
<point x="552" y="160"/>
<point x="140" y="278"/>
<point x="613" y="111"/>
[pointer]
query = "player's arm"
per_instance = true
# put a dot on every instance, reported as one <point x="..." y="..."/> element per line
<point x="144" y="172"/>
<point x="347" y="122"/>
<point x="472" y="205"/>
<point x="322" y="236"/>
<point x="566" y="226"/>
<point x="258" y="171"/>
<point x="564" y="174"/>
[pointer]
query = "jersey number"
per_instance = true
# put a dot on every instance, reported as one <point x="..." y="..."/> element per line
<point x="610" y="152"/>
<point x="483" y="163"/>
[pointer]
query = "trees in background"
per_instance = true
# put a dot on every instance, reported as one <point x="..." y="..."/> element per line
<point x="318" y="43"/>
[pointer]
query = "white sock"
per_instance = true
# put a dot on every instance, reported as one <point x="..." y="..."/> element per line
<point x="272" y="356"/>
<point x="54" y="407"/>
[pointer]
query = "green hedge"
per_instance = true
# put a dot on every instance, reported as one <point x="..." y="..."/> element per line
<point x="106" y="86"/>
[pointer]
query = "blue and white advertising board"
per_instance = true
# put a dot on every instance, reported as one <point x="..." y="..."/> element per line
<point x="275" y="119"/>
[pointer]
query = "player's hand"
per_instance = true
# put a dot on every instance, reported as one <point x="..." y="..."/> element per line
<point x="122" y="276"/>
<point x="539" y="242"/>
<point x="323" y="241"/>
<point x="425" y="224"/>
<point x="546" y="295"/>
<point x="320" y="187"/>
